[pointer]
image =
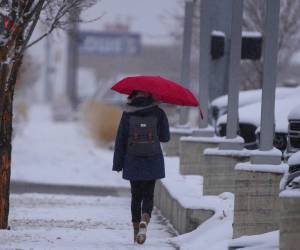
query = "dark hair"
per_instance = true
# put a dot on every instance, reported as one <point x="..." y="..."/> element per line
<point x="133" y="94"/>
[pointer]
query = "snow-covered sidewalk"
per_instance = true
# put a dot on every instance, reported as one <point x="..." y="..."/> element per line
<point x="60" y="153"/>
<point x="73" y="222"/>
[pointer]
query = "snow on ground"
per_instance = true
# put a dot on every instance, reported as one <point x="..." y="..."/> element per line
<point x="215" y="233"/>
<point x="60" y="153"/>
<point x="73" y="222"/>
<point x="187" y="190"/>
<point x="267" y="241"/>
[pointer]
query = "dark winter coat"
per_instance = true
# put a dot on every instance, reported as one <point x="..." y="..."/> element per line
<point x="136" y="167"/>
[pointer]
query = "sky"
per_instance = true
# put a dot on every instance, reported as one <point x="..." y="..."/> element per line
<point x="152" y="18"/>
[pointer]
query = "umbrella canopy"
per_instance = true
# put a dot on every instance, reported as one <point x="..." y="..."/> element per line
<point x="161" y="89"/>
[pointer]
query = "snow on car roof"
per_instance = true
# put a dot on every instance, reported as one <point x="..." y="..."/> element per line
<point x="282" y="110"/>
<point x="295" y="113"/>
<point x="294" y="159"/>
<point x="283" y="105"/>
<point x="249" y="96"/>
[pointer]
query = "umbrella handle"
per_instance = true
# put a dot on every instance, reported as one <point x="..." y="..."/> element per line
<point x="201" y="113"/>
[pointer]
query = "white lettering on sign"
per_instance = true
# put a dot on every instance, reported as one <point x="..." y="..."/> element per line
<point x="143" y="125"/>
<point x="109" y="43"/>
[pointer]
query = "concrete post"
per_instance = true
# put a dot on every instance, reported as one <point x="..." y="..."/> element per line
<point x="186" y="54"/>
<point x="289" y="225"/>
<point x="271" y="30"/>
<point x="269" y="74"/>
<point x="234" y="75"/>
<point x="256" y="202"/>
<point x="221" y="13"/>
<point x="204" y="59"/>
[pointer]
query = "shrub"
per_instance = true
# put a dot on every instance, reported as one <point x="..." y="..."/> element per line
<point x="101" y="120"/>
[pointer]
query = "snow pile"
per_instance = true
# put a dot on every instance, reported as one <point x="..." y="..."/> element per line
<point x="247" y="166"/>
<point x="215" y="233"/>
<point x="267" y="241"/>
<point x="273" y="152"/>
<point x="214" y="139"/>
<point x="234" y="153"/>
<point x="187" y="190"/>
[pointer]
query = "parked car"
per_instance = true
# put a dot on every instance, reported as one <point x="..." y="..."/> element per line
<point x="249" y="120"/>
<point x="292" y="179"/>
<point x="283" y="108"/>
<point x="293" y="139"/>
<point x="218" y="106"/>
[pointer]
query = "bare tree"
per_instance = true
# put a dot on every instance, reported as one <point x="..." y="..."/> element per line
<point x="288" y="41"/>
<point x="289" y="36"/>
<point x="18" y="20"/>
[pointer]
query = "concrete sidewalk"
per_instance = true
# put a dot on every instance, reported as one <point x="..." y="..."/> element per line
<point x="55" y="221"/>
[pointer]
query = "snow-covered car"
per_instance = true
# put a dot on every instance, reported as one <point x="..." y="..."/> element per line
<point x="293" y="142"/>
<point x="218" y="106"/>
<point x="249" y="120"/>
<point x="292" y="179"/>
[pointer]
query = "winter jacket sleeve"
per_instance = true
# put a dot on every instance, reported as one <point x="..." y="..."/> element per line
<point x="163" y="128"/>
<point x="120" y="145"/>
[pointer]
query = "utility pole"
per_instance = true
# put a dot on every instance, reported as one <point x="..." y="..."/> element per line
<point x="270" y="53"/>
<point x="72" y="58"/>
<point x="221" y="12"/>
<point x="186" y="54"/>
<point x="204" y="59"/>
<point x="234" y="76"/>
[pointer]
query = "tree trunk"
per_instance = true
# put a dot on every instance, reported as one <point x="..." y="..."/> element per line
<point x="5" y="159"/>
<point x="8" y="80"/>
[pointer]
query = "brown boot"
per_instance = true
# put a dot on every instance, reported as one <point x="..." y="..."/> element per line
<point x="136" y="227"/>
<point x="141" y="236"/>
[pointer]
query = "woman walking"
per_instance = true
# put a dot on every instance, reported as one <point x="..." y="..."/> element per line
<point x="138" y="154"/>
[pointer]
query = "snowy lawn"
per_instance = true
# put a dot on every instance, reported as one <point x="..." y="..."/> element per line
<point x="74" y="222"/>
<point x="60" y="153"/>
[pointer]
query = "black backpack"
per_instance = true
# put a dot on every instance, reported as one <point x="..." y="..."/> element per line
<point x="143" y="137"/>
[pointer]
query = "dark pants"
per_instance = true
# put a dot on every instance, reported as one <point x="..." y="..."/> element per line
<point x="142" y="193"/>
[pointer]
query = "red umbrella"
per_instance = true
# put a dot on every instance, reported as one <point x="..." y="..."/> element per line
<point x="161" y="89"/>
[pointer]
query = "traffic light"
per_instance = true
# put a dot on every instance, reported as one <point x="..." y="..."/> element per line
<point x="217" y="45"/>
<point x="251" y="45"/>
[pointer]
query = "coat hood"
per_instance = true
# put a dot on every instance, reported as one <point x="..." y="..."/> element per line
<point x="140" y="104"/>
<point x="133" y="109"/>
